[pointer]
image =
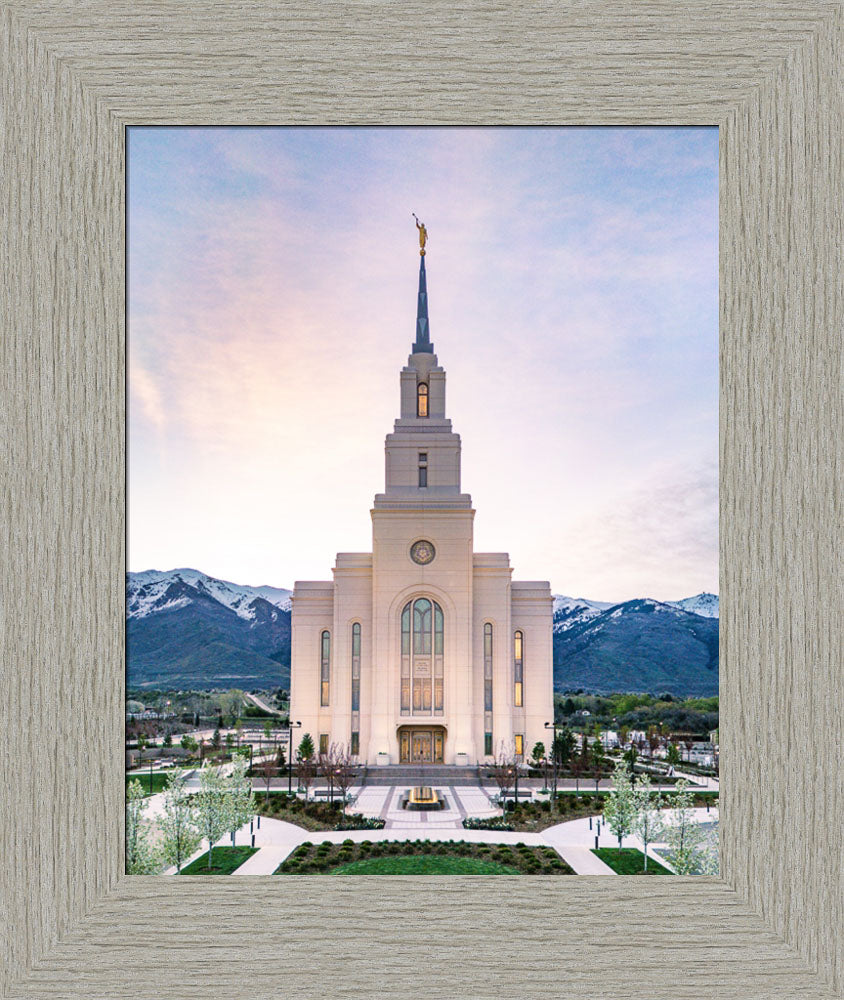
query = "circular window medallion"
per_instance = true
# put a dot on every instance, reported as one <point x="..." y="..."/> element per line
<point x="422" y="553"/>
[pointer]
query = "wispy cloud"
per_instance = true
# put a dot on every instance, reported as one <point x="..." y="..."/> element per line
<point x="572" y="276"/>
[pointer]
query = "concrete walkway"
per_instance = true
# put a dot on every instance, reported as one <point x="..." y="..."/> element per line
<point x="572" y="840"/>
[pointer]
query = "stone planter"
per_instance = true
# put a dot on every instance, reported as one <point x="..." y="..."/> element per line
<point x="382" y="759"/>
<point x="461" y="759"/>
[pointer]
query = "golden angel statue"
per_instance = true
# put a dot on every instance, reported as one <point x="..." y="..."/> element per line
<point x="423" y="235"/>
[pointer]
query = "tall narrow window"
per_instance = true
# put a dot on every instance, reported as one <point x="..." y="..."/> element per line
<point x="325" y="669"/>
<point x="421" y="400"/>
<point x="422" y="655"/>
<point x="519" y="745"/>
<point x="354" y="749"/>
<point x="487" y="688"/>
<point x="423" y="468"/>
<point x="323" y="742"/>
<point x="518" y="669"/>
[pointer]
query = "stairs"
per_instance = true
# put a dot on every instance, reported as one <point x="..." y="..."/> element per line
<point x="408" y="775"/>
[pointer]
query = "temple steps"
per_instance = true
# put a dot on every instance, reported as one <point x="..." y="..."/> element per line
<point x="409" y="775"/>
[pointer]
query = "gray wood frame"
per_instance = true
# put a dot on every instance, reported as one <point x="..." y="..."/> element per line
<point x="73" y="75"/>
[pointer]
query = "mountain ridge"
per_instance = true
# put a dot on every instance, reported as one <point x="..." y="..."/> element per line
<point x="185" y="628"/>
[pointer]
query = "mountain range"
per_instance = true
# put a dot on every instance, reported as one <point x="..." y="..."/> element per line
<point x="187" y="629"/>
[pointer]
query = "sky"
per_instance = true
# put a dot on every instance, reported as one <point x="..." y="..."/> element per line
<point x="573" y="302"/>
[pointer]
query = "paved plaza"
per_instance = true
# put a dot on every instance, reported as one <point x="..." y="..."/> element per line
<point x="572" y="840"/>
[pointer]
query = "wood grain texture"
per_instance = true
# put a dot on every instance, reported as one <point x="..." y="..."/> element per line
<point x="72" y="76"/>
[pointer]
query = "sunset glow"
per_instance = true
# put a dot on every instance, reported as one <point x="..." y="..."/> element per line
<point x="573" y="300"/>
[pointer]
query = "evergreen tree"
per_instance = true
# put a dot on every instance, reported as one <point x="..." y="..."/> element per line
<point x="564" y="745"/>
<point x="306" y="747"/>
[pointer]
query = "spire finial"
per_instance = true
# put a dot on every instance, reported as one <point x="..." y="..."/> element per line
<point x="423" y="235"/>
<point x="422" y="344"/>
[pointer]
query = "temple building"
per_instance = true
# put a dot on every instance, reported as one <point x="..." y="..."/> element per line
<point x="423" y="651"/>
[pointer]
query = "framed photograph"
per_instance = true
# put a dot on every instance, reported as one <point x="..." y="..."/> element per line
<point x="73" y="924"/>
<point x="399" y="695"/>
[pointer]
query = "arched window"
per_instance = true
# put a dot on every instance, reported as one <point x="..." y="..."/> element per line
<point x="518" y="668"/>
<point x="422" y="647"/>
<point x="422" y="400"/>
<point x="488" y="689"/>
<point x="325" y="669"/>
<point x="355" y="741"/>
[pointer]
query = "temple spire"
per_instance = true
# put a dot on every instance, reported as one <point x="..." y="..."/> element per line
<point x="422" y="344"/>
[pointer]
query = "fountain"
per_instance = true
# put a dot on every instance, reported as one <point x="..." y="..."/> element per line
<point x="422" y="798"/>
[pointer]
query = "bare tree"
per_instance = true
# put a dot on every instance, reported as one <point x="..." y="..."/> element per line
<point x="345" y="769"/>
<point x="325" y="764"/>
<point x="305" y="773"/>
<point x="580" y="764"/>
<point x="267" y="767"/>
<point x="503" y="772"/>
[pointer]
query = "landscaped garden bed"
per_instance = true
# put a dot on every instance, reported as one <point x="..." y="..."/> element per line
<point x="418" y="857"/>
<point x="629" y="861"/>
<point x="224" y="860"/>
<point x="314" y="816"/>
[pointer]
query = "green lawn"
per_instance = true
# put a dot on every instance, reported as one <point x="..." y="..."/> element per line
<point x="158" y="780"/>
<point x="629" y="861"/>
<point x="424" y="864"/>
<point x="422" y="858"/>
<point x="224" y="860"/>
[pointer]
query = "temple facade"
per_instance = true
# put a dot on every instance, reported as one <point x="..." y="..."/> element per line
<point x="423" y="651"/>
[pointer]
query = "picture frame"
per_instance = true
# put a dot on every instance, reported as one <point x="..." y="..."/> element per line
<point x="73" y="78"/>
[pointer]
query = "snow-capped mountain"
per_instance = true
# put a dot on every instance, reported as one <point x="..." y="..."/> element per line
<point x="705" y="605"/>
<point x="152" y="591"/>
<point x="640" y="645"/>
<point x="569" y="610"/>
<point x="188" y="629"/>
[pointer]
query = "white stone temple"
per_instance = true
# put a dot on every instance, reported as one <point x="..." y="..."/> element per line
<point x="423" y="651"/>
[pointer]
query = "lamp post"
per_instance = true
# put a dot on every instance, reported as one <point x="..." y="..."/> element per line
<point x="292" y="726"/>
<point x="553" y="727"/>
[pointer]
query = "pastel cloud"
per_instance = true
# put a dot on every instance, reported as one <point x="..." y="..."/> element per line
<point x="573" y="287"/>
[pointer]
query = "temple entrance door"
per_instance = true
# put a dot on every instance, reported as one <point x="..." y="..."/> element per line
<point x="421" y="748"/>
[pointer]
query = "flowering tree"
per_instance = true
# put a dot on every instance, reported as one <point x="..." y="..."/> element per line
<point x="141" y="857"/>
<point x="710" y="862"/>
<point x="180" y="835"/>
<point x="620" y="805"/>
<point x="647" y="805"/>
<point x="212" y="805"/>
<point x="684" y="836"/>
<point x="240" y="805"/>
